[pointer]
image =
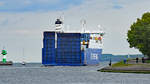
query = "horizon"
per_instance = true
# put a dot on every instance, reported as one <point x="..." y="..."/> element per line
<point x="23" y="22"/>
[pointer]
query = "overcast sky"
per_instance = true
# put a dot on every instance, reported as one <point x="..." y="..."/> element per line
<point x="22" y="23"/>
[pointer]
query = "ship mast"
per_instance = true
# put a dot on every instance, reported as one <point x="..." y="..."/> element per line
<point x="83" y="23"/>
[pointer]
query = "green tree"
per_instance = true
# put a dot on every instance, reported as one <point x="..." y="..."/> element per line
<point x="139" y="34"/>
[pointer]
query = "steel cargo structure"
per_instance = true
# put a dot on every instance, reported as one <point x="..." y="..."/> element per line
<point x="68" y="49"/>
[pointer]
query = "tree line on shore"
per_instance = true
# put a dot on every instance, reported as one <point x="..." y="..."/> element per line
<point x="139" y="34"/>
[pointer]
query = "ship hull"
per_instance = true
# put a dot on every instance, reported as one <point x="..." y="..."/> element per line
<point x="92" y="56"/>
<point x="66" y="49"/>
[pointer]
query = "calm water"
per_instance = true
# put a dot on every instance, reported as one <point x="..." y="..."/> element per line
<point x="35" y="74"/>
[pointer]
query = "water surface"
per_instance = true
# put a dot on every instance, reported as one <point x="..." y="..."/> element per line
<point x="33" y="73"/>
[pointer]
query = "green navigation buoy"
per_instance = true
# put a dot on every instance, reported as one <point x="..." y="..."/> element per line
<point x="4" y="53"/>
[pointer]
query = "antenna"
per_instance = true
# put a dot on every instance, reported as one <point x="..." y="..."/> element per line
<point x="100" y="27"/>
<point x="23" y="52"/>
<point x="23" y="59"/>
<point x="83" y="23"/>
<point x="101" y="30"/>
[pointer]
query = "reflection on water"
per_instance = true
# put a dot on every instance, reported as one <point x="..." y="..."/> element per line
<point x="33" y="73"/>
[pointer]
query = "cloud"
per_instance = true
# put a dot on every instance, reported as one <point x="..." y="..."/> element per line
<point x="4" y="22"/>
<point x="49" y="1"/>
<point x="1" y="3"/>
<point x="27" y="2"/>
<point x="117" y="7"/>
<point x="23" y="32"/>
<point x="37" y="5"/>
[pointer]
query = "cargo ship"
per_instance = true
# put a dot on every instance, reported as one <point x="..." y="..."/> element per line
<point x="71" y="48"/>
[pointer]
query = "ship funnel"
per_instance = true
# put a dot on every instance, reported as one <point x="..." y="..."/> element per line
<point x="58" y="24"/>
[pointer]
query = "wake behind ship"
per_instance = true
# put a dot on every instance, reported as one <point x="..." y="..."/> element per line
<point x="62" y="48"/>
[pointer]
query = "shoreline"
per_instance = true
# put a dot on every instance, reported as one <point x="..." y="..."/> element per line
<point x="123" y="70"/>
<point x="129" y="67"/>
<point x="127" y="71"/>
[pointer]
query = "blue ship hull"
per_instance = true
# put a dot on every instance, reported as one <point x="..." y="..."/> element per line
<point x="92" y="56"/>
<point x="64" y="49"/>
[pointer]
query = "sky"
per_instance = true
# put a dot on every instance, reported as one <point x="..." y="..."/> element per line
<point x="22" y="23"/>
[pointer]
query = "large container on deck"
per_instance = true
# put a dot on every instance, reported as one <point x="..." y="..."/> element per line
<point x="48" y="51"/>
<point x="67" y="49"/>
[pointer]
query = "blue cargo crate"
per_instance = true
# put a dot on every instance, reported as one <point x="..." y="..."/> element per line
<point x="49" y="40"/>
<point x="49" y="34"/>
<point x="68" y="35"/>
<point x="48" y="56"/>
<point x="67" y="52"/>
